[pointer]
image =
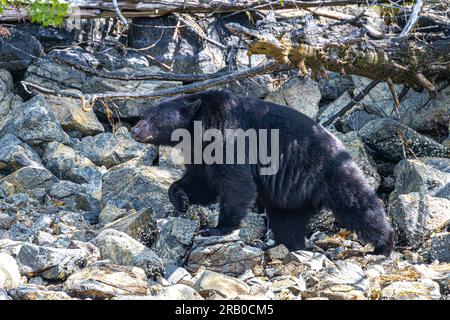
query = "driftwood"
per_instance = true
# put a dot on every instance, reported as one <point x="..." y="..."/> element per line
<point x="151" y="8"/>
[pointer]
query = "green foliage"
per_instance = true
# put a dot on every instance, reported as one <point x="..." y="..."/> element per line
<point x="45" y="12"/>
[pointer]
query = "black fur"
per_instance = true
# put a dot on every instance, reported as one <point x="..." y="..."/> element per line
<point x="315" y="170"/>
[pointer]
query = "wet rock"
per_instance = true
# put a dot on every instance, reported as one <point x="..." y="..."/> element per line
<point x="409" y="290"/>
<point x="417" y="215"/>
<point x="72" y="117"/>
<point x="14" y="154"/>
<point x="27" y="179"/>
<point x="110" y="149"/>
<point x="383" y="136"/>
<point x="175" y="239"/>
<point x="19" y="50"/>
<point x="253" y="227"/>
<point x="213" y="285"/>
<point x="178" y="292"/>
<point x="138" y="188"/>
<point x="107" y="281"/>
<point x="138" y="225"/>
<point x="67" y="164"/>
<point x="35" y="124"/>
<point x="428" y="175"/>
<point x="219" y="254"/>
<point x="52" y="263"/>
<point x="359" y="153"/>
<point x="9" y="272"/>
<point x="301" y="94"/>
<point x="34" y="292"/>
<point x="439" y="247"/>
<point x="121" y="249"/>
<point x="313" y="260"/>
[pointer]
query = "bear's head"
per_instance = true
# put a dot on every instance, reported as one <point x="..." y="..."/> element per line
<point x="158" y="123"/>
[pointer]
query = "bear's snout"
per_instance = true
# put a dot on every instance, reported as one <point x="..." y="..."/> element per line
<point x="140" y="132"/>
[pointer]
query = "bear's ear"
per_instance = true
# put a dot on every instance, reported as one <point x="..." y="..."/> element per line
<point x="192" y="107"/>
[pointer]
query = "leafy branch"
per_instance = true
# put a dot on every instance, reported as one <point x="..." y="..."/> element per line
<point x="44" y="12"/>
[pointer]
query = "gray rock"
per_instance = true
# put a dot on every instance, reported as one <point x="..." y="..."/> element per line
<point x="175" y="239"/>
<point x="219" y="255"/>
<point x="106" y="281"/>
<point x="8" y="99"/>
<point x="428" y="175"/>
<point x="72" y="117"/>
<point x="35" y="124"/>
<point x="334" y="107"/>
<point x="139" y="225"/>
<point x="36" y="292"/>
<point x="19" y="50"/>
<point x="313" y="260"/>
<point x="52" y="263"/>
<point x="439" y="248"/>
<point x="143" y="187"/>
<point x="4" y="295"/>
<point x="175" y="275"/>
<point x="67" y="164"/>
<point x="120" y="248"/>
<point x="213" y="285"/>
<point x="334" y="86"/>
<point x="301" y="94"/>
<point x="111" y="213"/>
<point x="9" y="272"/>
<point x="417" y="215"/>
<point x="57" y="76"/>
<point x="74" y="197"/>
<point x="110" y="149"/>
<point x="14" y="154"/>
<point x="409" y="290"/>
<point x="383" y="136"/>
<point x="178" y="292"/>
<point x="359" y="153"/>
<point x="277" y="253"/>
<point x="253" y="227"/>
<point x="28" y="179"/>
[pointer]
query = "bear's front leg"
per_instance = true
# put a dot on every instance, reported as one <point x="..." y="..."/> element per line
<point x="237" y="192"/>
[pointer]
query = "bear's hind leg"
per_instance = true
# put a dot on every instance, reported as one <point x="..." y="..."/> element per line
<point x="289" y="226"/>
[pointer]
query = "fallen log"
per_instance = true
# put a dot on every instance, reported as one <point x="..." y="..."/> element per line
<point x="151" y="8"/>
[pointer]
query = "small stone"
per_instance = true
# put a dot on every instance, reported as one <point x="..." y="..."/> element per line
<point x="253" y="227"/>
<point x="34" y="292"/>
<point x="14" y="154"/>
<point x="277" y="253"/>
<point x="27" y="179"/>
<point x="216" y="285"/>
<point x="178" y="292"/>
<point x="111" y="213"/>
<point x="439" y="247"/>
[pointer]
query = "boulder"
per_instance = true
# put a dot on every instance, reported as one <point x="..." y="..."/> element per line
<point x="218" y="254"/>
<point x="417" y="215"/>
<point x="110" y="149"/>
<point x="36" y="292"/>
<point x="175" y="240"/>
<point x="177" y="292"/>
<point x="410" y="290"/>
<point x="35" y="124"/>
<point x="301" y="94"/>
<point x="8" y="99"/>
<point x="19" y="50"/>
<point x="73" y="196"/>
<point x="428" y="175"/>
<point x="27" y="179"/>
<point x="387" y="137"/>
<point x="438" y="248"/>
<point x="106" y="281"/>
<point x="143" y="187"/>
<point x="72" y="117"/>
<point x="14" y="154"/>
<point x="67" y="164"/>
<point x="120" y="248"/>
<point x="213" y="285"/>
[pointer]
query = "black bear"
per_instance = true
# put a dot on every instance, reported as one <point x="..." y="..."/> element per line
<point x="314" y="169"/>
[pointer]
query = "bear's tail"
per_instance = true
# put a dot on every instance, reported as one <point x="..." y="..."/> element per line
<point x="357" y="207"/>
